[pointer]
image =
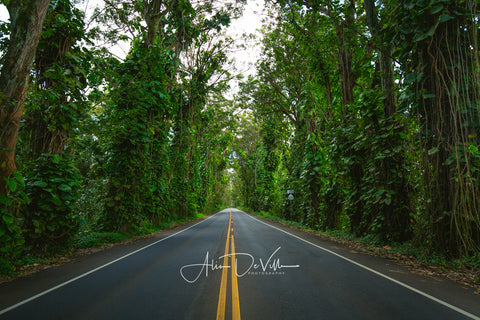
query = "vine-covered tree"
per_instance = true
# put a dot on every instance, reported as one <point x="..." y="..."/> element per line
<point x="382" y="99"/>
<point x="26" y="19"/>
<point x="439" y="55"/>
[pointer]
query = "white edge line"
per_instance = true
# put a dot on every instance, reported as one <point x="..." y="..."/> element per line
<point x="95" y="270"/>
<point x="446" y="304"/>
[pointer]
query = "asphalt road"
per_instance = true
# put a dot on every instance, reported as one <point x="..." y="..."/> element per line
<point x="234" y="266"/>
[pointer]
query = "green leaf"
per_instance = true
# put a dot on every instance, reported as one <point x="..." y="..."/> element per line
<point x="450" y="160"/>
<point x="18" y="176"/>
<point x="432" y="30"/>
<point x="40" y="184"/>
<point x="433" y="151"/>
<point x="428" y="34"/>
<point x="444" y="18"/>
<point x="65" y="187"/>
<point x="410" y="5"/>
<point x="11" y="184"/>
<point x="428" y="95"/>
<point x="436" y="8"/>
<point x="9" y="219"/>
<point x="5" y="201"/>
<point x="56" y="159"/>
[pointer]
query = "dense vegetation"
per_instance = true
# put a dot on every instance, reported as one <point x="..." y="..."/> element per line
<point x="110" y="146"/>
<point x="368" y="110"/>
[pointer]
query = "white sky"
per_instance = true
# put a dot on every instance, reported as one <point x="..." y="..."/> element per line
<point x="3" y="13"/>
<point x="250" y="22"/>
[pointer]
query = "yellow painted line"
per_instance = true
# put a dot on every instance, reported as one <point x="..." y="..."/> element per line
<point x="235" y="296"/>
<point x="222" y="297"/>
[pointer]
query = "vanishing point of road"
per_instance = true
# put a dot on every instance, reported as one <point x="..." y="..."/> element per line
<point x="232" y="265"/>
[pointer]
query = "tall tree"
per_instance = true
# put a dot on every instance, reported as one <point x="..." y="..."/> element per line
<point x="153" y="127"/>
<point x="26" y="20"/>
<point x="439" y="52"/>
<point x="54" y="108"/>
<point x="57" y="101"/>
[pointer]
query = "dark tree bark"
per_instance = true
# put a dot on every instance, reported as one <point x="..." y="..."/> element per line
<point x="448" y="125"/>
<point x="345" y="55"/>
<point x="26" y="26"/>
<point x="384" y="49"/>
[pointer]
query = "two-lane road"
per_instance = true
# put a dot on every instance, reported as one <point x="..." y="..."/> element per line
<point x="234" y="266"/>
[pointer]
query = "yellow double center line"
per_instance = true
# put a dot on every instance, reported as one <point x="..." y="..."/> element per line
<point x="222" y="297"/>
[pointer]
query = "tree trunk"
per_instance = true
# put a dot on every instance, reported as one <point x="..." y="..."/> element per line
<point x="447" y="96"/>
<point x="384" y="50"/>
<point x="345" y="67"/>
<point x="450" y="126"/>
<point x="345" y="55"/>
<point x="391" y="174"/>
<point x="153" y="17"/>
<point x="26" y="26"/>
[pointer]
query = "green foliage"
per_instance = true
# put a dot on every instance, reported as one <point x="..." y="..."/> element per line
<point x="90" y="202"/>
<point x="11" y="236"/>
<point x="95" y="239"/>
<point x="136" y="135"/>
<point x="58" y="104"/>
<point x="434" y="38"/>
<point x="148" y="133"/>
<point x="358" y="159"/>
<point x="162" y="138"/>
<point x="54" y="110"/>
<point x="52" y="188"/>
<point x="372" y="151"/>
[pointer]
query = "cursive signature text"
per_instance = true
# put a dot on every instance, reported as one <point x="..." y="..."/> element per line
<point x="192" y="272"/>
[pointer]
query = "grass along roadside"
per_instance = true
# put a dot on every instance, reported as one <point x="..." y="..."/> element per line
<point x="87" y="242"/>
<point x="465" y="271"/>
